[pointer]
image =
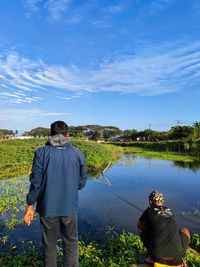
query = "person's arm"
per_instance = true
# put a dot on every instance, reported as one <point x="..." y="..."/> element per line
<point x="35" y="179"/>
<point x="83" y="172"/>
<point x="140" y="227"/>
<point x="141" y="222"/>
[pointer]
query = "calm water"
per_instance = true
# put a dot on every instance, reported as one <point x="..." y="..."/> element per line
<point x="132" y="178"/>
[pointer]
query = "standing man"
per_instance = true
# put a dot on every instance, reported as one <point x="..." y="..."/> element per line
<point x="159" y="233"/>
<point x="58" y="172"/>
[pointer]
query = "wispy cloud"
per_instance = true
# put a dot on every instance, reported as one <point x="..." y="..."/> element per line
<point x="195" y="7"/>
<point x="22" y="114"/>
<point x="14" y="86"/>
<point x="17" y="118"/>
<point x="154" y="7"/>
<point x="153" y="71"/>
<point x="31" y="6"/>
<point x="71" y="96"/>
<point x="74" y="14"/>
<point x="17" y="98"/>
<point x="56" y="8"/>
<point x="117" y="8"/>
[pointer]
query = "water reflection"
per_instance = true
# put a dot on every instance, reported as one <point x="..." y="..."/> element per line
<point x="195" y="165"/>
<point x="119" y="195"/>
<point x="108" y="201"/>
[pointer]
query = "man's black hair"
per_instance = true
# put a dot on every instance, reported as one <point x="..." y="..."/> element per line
<point x="59" y="127"/>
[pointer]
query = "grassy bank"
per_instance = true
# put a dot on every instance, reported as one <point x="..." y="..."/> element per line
<point x="191" y="148"/>
<point x="17" y="155"/>
<point x="176" y="151"/>
<point x="119" y="250"/>
<point x="139" y="151"/>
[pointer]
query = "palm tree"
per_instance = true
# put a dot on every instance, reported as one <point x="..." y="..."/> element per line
<point x="196" y="126"/>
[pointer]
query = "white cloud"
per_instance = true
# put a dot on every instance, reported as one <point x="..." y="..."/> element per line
<point x="195" y="7"/>
<point x="154" y="7"/>
<point x="32" y="5"/>
<point x="17" y="97"/>
<point x="27" y="114"/>
<point x="56" y="8"/>
<point x="26" y="119"/>
<point x="115" y="9"/>
<point x="153" y="71"/>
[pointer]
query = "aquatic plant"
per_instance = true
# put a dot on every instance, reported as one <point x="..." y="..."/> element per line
<point x="17" y="155"/>
<point x="174" y="150"/>
<point x="118" y="250"/>
<point x="12" y="201"/>
<point x="148" y="152"/>
<point x="195" y="241"/>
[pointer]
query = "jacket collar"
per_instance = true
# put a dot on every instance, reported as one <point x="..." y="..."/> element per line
<point x="57" y="140"/>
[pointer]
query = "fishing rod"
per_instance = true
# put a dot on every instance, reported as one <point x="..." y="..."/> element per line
<point x="123" y="199"/>
<point x="116" y="195"/>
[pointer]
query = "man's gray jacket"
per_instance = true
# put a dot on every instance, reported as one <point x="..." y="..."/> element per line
<point x="58" y="172"/>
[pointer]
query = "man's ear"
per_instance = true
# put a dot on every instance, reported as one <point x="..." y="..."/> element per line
<point x="67" y="136"/>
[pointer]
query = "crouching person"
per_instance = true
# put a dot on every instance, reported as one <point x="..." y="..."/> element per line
<point x="160" y="235"/>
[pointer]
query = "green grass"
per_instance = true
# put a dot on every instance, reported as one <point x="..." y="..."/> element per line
<point x="185" y="151"/>
<point x="118" y="250"/>
<point x="98" y="156"/>
<point x="17" y="155"/>
<point x="17" y="161"/>
<point x="143" y="152"/>
<point x="12" y="202"/>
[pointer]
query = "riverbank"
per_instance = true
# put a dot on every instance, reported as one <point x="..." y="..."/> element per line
<point x="139" y="151"/>
<point x="119" y="250"/>
<point x="176" y="151"/>
<point x="113" y="249"/>
<point x="17" y="155"/>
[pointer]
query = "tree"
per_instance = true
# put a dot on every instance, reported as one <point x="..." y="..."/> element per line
<point x="149" y="135"/>
<point x="94" y="135"/>
<point x="94" y="132"/>
<point x="130" y="135"/>
<point x="38" y="132"/>
<point x="107" y="134"/>
<point x="196" y="126"/>
<point x="5" y="132"/>
<point x="73" y="131"/>
<point x="182" y="132"/>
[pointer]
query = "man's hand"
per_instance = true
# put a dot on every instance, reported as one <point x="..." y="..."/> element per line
<point x="29" y="214"/>
<point x="140" y="227"/>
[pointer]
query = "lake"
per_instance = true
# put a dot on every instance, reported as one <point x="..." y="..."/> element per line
<point x="132" y="178"/>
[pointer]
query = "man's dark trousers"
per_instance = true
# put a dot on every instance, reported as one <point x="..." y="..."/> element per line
<point x="69" y="233"/>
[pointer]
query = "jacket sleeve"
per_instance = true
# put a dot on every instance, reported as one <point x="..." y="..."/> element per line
<point x="83" y="172"/>
<point x="35" y="179"/>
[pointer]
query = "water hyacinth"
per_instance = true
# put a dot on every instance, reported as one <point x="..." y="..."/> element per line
<point x="113" y="250"/>
<point x="17" y="155"/>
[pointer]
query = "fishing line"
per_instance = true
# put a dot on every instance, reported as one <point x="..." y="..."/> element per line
<point x="123" y="199"/>
<point x="116" y="195"/>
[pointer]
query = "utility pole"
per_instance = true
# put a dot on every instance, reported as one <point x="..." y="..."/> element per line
<point x="149" y="126"/>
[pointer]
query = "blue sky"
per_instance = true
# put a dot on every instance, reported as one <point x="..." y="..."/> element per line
<point x="133" y="64"/>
